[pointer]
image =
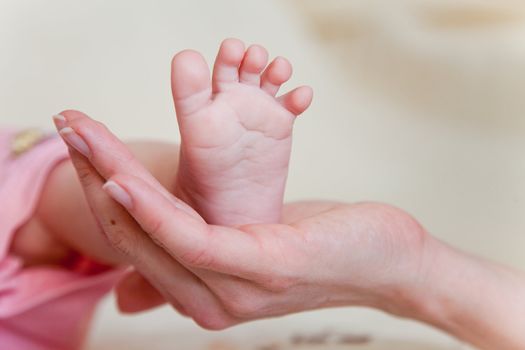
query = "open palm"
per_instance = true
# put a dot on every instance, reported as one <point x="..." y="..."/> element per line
<point x="325" y="254"/>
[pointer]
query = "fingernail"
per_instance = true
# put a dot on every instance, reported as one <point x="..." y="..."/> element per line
<point x="119" y="194"/>
<point x="60" y="121"/>
<point x="75" y="140"/>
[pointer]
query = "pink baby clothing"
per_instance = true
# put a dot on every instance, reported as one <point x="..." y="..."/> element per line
<point x="41" y="308"/>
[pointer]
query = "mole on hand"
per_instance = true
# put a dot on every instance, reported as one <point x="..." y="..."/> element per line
<point x="113" y="222"/>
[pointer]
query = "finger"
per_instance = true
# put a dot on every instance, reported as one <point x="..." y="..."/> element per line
<point x="175" y="283"/>
<point x="192" y="242"/>
<point x="91" y="182"/>
<point x="105" y="151"/>
<point x="111" y="218"/>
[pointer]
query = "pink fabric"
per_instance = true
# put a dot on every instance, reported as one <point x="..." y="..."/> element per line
<point x="40" y="308"/>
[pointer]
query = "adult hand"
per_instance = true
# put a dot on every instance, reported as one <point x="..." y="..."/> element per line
<point x="326" y="254"/>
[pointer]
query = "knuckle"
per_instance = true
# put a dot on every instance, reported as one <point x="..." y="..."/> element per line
<point x="201" y="258"/>
<point x="117" y="241"/>
<point x="85" y="174"/>
<point x="118" y="238"/>
<point x="202" y="255"/>
<point x="155" y="227"/>
<point x="244" y="307"/>
<point x="397" y="222"/>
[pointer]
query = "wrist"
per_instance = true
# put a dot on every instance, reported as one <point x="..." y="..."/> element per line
<point x="475" y="300"/>
<point x="430" y="298"/>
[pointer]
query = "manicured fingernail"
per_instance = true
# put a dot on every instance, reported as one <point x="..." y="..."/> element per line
<point x="60" y="121"/>
<point x="75" y="140"/>
<point x="119" y="194"/>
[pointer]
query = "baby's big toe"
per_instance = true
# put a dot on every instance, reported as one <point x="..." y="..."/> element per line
<point x="190" y="81"/>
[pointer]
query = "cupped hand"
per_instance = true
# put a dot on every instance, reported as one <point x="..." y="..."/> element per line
<point x="323" y="254"/>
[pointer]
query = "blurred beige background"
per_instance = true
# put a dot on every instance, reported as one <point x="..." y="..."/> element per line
<point x="418" y="104"/>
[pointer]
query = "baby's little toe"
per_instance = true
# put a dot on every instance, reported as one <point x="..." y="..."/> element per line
<point x="297" y="100"/>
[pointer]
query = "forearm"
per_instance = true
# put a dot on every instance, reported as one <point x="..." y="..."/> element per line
<point x="65" y="213"/>
<point x="477" y="301"/>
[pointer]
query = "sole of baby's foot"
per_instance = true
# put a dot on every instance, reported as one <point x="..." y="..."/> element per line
<point x="236" y="135"/>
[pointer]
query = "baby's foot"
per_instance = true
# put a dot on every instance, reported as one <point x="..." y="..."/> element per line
<point x="236" y="136"/>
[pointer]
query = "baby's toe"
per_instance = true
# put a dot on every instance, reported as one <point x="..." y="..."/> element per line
<point x="297" y="100"/>
<point x="227" y="63"/>
<point x="190" y="82"/>
<point x="276" y="74"/>
<point x="254" y="61"/>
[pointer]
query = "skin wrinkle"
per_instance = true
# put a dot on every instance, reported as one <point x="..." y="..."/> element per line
<point x="228" y="167"/>
<point x="238" y="165"/>
<point x="245" y="127"/>
<point x="218" y="147"/>
<point x="264" y="134"/>
<point x="184" y="101"/>
<point x="208" y="194"/>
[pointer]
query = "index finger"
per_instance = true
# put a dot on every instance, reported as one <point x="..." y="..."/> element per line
<point x="108" y="154"/>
